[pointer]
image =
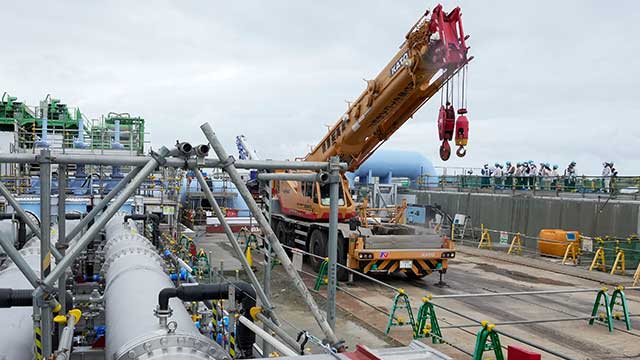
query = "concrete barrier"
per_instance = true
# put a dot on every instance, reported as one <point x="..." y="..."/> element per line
<point x="529" y="214"/>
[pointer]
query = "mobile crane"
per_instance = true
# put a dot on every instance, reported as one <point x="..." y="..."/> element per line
<point x="433" y="52"/>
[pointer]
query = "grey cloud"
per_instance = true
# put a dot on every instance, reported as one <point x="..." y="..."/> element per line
<point x="552" y="80"/>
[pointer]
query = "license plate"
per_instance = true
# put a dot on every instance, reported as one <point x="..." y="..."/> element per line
<point x="406" y="264"/>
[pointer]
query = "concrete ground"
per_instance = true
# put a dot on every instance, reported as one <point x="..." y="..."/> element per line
<point x="292" y="311"/>
<point x="364" y="306"/>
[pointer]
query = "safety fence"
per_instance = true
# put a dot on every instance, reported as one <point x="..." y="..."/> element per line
<point x="603" y="253"/>
<point x="608" y="310"/>
<point x="545" y="185"/>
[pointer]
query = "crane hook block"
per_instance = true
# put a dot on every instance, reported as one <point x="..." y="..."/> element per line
<point x="462" y="132"/>
<point x="445" y="150"/>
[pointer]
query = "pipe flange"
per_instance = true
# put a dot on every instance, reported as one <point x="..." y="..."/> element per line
<point x="134" y="250"/>
<point x="135" y="239"/>
<point x="171" y="344"/>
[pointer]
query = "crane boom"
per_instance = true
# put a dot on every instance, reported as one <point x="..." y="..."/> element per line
<point x="433" y="51"/>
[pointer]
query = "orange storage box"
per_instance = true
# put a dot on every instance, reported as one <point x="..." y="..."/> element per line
<point x="554" y="242"/>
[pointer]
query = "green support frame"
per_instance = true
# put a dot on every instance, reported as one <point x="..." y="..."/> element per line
<point x="602" y="300"/>
<point x="400" y="302"/>
<point x="623" y="314"/>
<point x="427" y="323"/>
<point x="487" y="339"/>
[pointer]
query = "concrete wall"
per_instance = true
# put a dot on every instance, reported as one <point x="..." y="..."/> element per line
<point x="527" y="214"/>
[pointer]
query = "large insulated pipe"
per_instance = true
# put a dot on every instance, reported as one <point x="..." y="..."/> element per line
<point x="134" y="277"/>
<point x="16" y="332"/>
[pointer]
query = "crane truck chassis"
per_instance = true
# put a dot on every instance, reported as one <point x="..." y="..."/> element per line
<point x="381" y="248"/>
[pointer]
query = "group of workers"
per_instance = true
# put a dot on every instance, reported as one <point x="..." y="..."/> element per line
<point x="527" y="175"/>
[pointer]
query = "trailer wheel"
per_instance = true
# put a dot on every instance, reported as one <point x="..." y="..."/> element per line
<point x="317" y="246"/>
<point x="281" y="233"/>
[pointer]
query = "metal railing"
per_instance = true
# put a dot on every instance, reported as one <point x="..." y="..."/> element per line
<point x="628" y="186"/>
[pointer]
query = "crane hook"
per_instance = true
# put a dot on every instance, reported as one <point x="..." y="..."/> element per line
<point x="445" y="150"/>
<point x="461" y="152"/>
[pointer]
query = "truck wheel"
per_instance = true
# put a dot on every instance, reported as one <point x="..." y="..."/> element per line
<point x="317" y="246"/>
<point x="281" y="233"/>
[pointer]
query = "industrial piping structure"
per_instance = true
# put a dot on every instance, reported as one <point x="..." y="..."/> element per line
<point x="133" y="267"/>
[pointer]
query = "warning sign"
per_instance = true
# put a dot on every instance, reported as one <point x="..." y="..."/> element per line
<point x="504" y="237"/>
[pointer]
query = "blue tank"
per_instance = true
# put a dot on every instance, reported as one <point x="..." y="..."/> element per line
<point x="387" y="164"/>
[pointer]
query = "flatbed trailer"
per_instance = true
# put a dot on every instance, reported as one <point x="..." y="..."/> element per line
<point x="386" y="248"/>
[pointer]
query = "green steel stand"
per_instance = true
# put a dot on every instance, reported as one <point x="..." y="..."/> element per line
<point x="602" y="299"/>
<point x="620" y="315"/>
<point x="487" y="340"/>
<point x="322" y="279"/>
<point x="400" y="302"/>
<point x="427" y="323"/>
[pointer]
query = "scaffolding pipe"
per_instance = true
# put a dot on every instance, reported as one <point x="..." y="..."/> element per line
<point x="332" y="248"/>
<point x="19" y="210"/>
<point x="234" y="244"/>
<point x="46" y="317"/>
<point x="230" y="168"/>
<point x="522" y="322"/>
<point x="515" y="293"/>
<point x="280" y="347"/>
<point x="280" y="332"/>
<point x="125" y="160"/>
<point x="101" y="205"/>
<point x="321" y="177"/>
<point x="101" y="221"/>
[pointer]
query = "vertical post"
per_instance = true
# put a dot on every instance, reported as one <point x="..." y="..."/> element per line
<point x="61" y="244"/>
<point x="234" y="243"/>
<point x="332" y="251"/>
<point x="45" y="244"/>
<point x="266" y="347"/>
<point x="271" y="236"/>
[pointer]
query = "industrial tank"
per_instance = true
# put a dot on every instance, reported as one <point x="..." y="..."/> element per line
<point x="387" y="164"/>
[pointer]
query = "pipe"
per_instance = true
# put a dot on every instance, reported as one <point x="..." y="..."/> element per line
<point x="282" y="348"/>
<point x="16" y="332"/>
<point x="19" y="210"/>
<point x="271" y="236"/>
<point x="110" y="160"/>
<point x="515" y="293"/>
<point x="134" y="276"/>
<point x="155" y="220"/>
<point x="102" y="204"/>
<point x="66" y="338"/>
<point x="332" y="248"/>
<point x="321" y="177"/>
<point x="244" y="294"/>
<point x="110" y="211"/>
<point x="22" y="298"/>
<point x="15" y="297"/>
<point x="234" y="244"/>
<point x="280" y="332"/>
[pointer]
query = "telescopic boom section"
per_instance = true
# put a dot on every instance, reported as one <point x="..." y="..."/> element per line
<point x="434" y="50"/>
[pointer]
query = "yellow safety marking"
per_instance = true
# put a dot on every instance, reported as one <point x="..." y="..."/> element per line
<point x="618" y="264"/>
<point x="570" y="254"/>
<point x="369" y="265"/>
<point x="384" y="264"/>
<point x="636" y="275"/>
<point x="46" y="262"/>
<point x="516" y="245"/>
<point x="394" y="267"/>
<point x="485" y="239"/>
<point x="598" y="260"/>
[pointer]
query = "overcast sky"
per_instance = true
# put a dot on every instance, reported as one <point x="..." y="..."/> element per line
<point x="552" y="81"/>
